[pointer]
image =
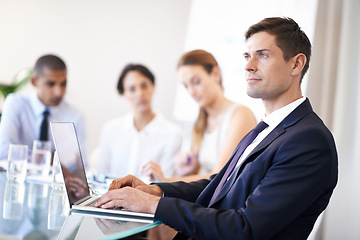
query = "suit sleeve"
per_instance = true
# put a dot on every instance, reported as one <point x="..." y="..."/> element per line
<point x="303" y="170"/>
<point x="181" y="190"/>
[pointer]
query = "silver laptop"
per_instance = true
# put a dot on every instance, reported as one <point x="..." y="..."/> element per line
<point x="73" y="171"/>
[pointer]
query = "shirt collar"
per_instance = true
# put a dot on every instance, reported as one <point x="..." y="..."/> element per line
<point x="274" y="118"/>
<point x="39" y="108"/>
<point x="151" y="127"/>
<point x="129" y="121"/>
<point x="154" y="124"/>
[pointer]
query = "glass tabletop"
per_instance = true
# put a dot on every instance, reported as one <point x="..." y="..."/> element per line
<point x="25" y="210"/>
<point x="34" y="210"/>
<point x="82" y="225"/>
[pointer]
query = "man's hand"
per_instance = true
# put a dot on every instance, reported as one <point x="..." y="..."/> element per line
<point x="129" y="198"/>
<point x="131" y="193"/>
<point x="131" y="181"/>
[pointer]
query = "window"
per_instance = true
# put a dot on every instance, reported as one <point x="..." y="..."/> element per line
<point x="219" y="26"/>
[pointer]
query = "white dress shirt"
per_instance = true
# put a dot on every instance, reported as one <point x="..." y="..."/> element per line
<point x="22" y="116"/>
<point x="122" y="149"/>
<point x="272" y="120"/>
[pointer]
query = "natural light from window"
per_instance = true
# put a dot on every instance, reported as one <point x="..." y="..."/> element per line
<point x="219" y="26"/>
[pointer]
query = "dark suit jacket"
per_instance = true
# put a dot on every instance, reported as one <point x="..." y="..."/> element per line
<point x="281" y="188"/>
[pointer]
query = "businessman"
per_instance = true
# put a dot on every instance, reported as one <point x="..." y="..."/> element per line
<point x="26" y="117"/>
<point x="281" y="175"/>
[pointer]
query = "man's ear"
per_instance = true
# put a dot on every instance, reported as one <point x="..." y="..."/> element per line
<point x="33" y="81"/>
<point x="299" y="63"/>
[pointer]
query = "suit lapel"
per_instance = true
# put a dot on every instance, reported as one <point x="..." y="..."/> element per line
<point x="298" y="113"/>
<point x="263" y="144"/>
<point x="203" y="197"/>
<point x="302" y="110"/>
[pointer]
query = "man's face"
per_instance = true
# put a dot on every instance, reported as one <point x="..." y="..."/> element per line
<point x="51" y="86"/>
<point x="268" y="75"/>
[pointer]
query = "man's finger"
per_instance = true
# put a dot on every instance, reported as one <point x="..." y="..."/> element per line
<point x="122" y="182"/>
<point x="111" y="194"/>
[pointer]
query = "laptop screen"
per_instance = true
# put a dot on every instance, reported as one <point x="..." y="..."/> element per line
<point x="68" y="150"/>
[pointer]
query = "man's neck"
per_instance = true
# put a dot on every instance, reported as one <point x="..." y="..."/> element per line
<point x="275" y="104"/>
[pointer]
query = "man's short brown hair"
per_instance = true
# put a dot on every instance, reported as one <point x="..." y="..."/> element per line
<point x="289" y="37"/>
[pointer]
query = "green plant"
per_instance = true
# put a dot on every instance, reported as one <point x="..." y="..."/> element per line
<point x="20" y="80"/>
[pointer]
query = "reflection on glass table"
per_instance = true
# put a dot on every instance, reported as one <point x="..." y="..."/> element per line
<point x="27" y="210"/>
<point x="80" y="225"/>
<point x="33" y="210"/>
<point x="13" y="200"/>
<point x="58" y="209"/>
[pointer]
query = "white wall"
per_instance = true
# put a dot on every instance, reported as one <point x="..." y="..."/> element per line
<point x="96" y="39"/>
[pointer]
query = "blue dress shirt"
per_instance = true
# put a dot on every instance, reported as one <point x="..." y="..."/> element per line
<point x="22" y="116"/>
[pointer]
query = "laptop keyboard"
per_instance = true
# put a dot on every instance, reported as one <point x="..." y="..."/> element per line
<point x="91" y="204"/>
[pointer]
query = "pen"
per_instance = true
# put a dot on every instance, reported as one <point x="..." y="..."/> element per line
<point x="188" y="159"/>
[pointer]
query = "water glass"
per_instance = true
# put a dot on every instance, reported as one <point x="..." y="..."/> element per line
<point x="57" y="177"/>
<point x="13" y="200"/>
<point x="41" y="157"/>
<point x="58" y="209"/>
<point x="17" y="162"/>
<point x="37" y="195"/>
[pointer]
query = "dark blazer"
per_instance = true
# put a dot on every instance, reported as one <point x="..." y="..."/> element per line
<point x="280" y="190"/>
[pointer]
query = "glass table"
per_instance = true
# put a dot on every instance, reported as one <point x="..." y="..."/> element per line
<point x="82" y="225"/>
<point x="33" y="210"/>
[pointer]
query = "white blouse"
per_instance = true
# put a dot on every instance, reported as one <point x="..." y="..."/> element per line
<point x="122" y="149"/>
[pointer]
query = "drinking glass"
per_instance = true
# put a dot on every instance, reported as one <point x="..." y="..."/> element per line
<point x="58" y="209"/>
<point x="17" y="162"/>
<point x="37" y="195"/>
<point x="41" y="157"/>
<point x="13" y="200"/>
<point x="57" y="177"/>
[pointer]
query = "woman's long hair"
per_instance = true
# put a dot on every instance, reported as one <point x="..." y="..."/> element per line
<point x="207" y="60"/>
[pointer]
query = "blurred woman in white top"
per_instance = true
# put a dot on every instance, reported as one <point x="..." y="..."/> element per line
<point x="220" y="126"/>
<point x="128" y="142"/>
